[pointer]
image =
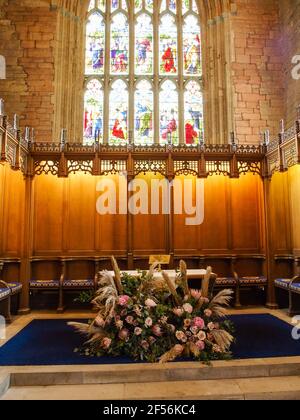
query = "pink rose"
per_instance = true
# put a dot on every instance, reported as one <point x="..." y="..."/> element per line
<point x="123" y="334"/>
<point x="157" y="330"/>
<point x="201" y="335"/>
<point x="199" y="322"/>
<point x="188" y="308"/>
<point x="180" y="335"/>
<point x="196" y="294"/>
<point x="123" y="300"/>
<point x="129" y="320"/>
<point x="145" y="344"/>
<point x="148" y="322"/>
<point x="150" y="303"/>
<point x="119" y="324"/>
<point x="138" y="331"/>
<point x="208" y="313"/>
<point x="152" y="340"/>
<point x="178" y="311"/>
<point x="201" y="345"/>
<point x="106" y="342"/>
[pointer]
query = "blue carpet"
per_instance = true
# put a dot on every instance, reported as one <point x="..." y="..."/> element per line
<point x="51" y="342"/>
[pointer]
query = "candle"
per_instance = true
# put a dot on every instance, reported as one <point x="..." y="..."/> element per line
<point x="27" y="134"/>
<point x="1" y="107"/>
<point x="282" y="126"/>
<point x="267" y="137"/>
<point x="232" y="137"/>
<point x="63" y="135"/>
<point x="16" y="122"/>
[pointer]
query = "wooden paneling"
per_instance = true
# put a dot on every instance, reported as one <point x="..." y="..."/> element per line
<point x="294" y="197"/>
<point x="12" y="190"/>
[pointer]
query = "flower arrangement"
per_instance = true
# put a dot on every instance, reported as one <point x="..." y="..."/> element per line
<point x="157" y="320"/>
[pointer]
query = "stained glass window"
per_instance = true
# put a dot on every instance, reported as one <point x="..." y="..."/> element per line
<point x="144" y="113"/>
<point x="95" y="44"/>
<point x="119" y="44"/>
<point x="168" y="45"/>
<point x="143" y="72"/>
<point x="191" y="46"/>
<point x="93" y="112"/>
<point x="168" y="107"/>
<point x="118" y="113"/>
<point x="193" y="113"/>
<point x="144" y="45"/>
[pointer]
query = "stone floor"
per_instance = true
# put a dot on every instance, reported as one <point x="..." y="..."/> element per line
<point x="251" y="379"/>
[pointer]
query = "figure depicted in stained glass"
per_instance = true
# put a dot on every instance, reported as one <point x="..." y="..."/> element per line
<point x="169" y="113"/>
<point x="93" y="111"/>
<point x="95" y="44"/>
<point x="168" y="45"/>
<point x="172" y="5"/>
<point x="119" y="44"/>
<point x="192" y="46"/>
<point x="193" y="113"/>
<point x="144" y="113"/>
<point x="118" y="111"/>
<point x="144" y="45"/>
<point x="114" y="4"/>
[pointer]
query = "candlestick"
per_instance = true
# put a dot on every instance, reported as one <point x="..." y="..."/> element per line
<point x="232" y="137"/>
<point x="63" y="135"/>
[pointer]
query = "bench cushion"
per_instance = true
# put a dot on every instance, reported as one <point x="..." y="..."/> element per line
<point x="295" y="287"/>
<point x="283" y="283"/>
<point x="225" y="281"/>
<point x="47" y="284"/>
<point x="4" y="293"/>
<point x="259" y="280"/>
<point x="78" y="283"/>
<point x="15" y="287"/>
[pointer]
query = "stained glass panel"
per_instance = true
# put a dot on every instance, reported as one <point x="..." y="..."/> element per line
<point x="138" y="5"/>
<point x="149" y="5"/>
<point x="144" y="45"/>
<point x="93" y="112"/>
<point x="144" y="113"/>
<point x="163" y="5"/>
<point x="102" y="5"/>
<point x="124" y="5"/>
<point x="91" y="5"/>
<point x="194" y="6"/>
<point x="119" y="44"/>
<point x="192" y="46"/>
<point x="118" y="113"/>
<point x="168" y="103"/>
<point x="193" y="115"/>
<point x="168" y="45"/>
<point x="114" y="5"/>
<point x="95" y="44"/>
<point x="185" y="6"/>
<point x="172" y="5"/>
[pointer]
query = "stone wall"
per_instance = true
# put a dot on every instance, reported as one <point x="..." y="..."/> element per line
<point x="290" y="43"/>
<point x="27" y="41"/>
<point x="257" y="69"/>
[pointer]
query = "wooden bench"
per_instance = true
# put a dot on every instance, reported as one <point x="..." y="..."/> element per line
<point x="8" y="290"/>
<point x="46" y="279"/>
<point x="79" y="274"/>
<point x="288" y="289"/>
